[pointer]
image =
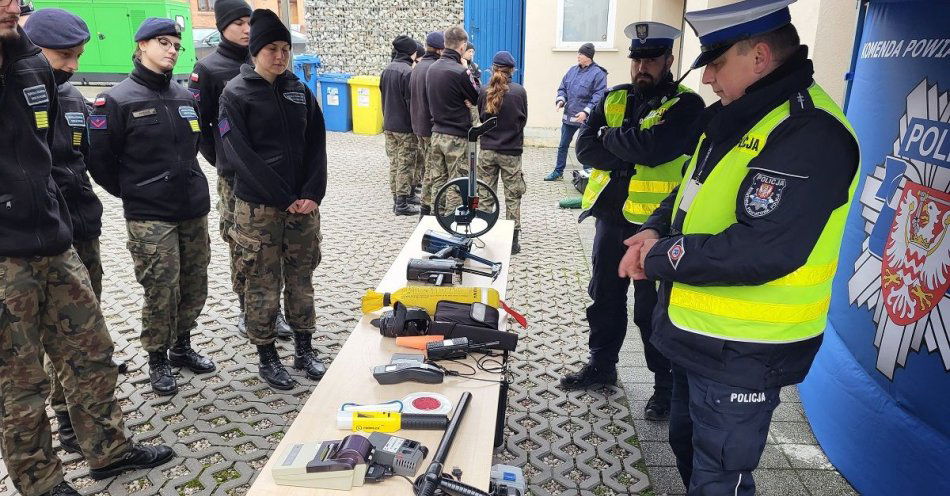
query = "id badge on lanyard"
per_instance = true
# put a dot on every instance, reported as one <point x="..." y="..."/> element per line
<point x="689" y="194"/>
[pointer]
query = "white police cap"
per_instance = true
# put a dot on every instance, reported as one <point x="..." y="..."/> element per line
<point x="650" y="39"/>
<point x="721" y="27"/>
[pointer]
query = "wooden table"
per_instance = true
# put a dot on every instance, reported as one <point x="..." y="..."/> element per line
<point x="349" y="379"/>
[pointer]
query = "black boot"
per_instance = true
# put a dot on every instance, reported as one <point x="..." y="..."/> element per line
<point x="139" y="456"/>
<point x="160" y="374"/>
<point x="658" y="406"/>
<point x="121" y="365"/>
<point x="515" y="245"/>
<point x="413" y="197"/>
<point x="283" y="329"/>
<point x="183" y="355"/>
<point x="403" y="207"/>
<point x="242" y="324"/>
<point x="67" y="436"/>
<point x="62" y="489"/>
<point x="304" y="357"/>
<point x="589" y="376"/>
<point x="423" y="211"/>
<point x="271" y="370"/>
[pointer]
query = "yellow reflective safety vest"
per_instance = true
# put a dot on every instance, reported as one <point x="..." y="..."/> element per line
<point x="789" y="309"/>
<point x="649" y="185"/>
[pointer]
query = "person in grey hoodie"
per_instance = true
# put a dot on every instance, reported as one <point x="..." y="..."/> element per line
<point x="581" y="90"/>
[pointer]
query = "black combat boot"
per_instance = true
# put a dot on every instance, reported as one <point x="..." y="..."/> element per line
<point x="284" y="332"/>
<point x="67" y="436"/>
<point x="304" y="357"/>
<point x="139" y="456"/>
<point x="403" y="207"/>
<point x="658" y="406"/>
<point x="160" y="374"/>
<point x="589" y="376"/>
<point x="423" y="211"/>
<point x="271" y="370"/>
<point x="62" y="489"/>
<point x="515" y="245"/>
<point x="413" y="198"/>
<point x="183" y="355"/>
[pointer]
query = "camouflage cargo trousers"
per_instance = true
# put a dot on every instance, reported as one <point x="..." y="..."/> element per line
<point x="226" y="225"/>
<point x="401" y="150"/>
<point x="89" y="254"/>
<point x="277" y="246"/>
<point x="47" y="305"/>
<point x="171" y="263"/>
<point x="447" y="160"/>
<point x="419" y="166"/>
<point x="492" y="164"/>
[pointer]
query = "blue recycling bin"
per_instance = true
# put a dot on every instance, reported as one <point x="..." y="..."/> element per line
<point x="335" y="101"/>
<point x="305" y="67"/>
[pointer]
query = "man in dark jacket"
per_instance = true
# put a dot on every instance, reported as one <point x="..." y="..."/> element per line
<point x="47" y="303"/>
<point x="419" y="107"/>
<point x="635" y="149"/>
<point x="397" y="124"/>
<point x="580" y="91"/>
<point x="452" y="95"/>
<point x="745" y="250"/>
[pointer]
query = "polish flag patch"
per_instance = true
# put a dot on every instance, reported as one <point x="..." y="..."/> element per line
<point x="194" y="76"/>
<point x="100" y="101"/>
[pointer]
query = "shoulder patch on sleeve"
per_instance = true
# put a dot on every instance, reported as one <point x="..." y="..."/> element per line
<point x="196" y="93"/>
<point x="296" y="97"/>
<point x="676" y="253"/>
<point x="75" y="119"/>
<point x="101" y="101"/>
<point x="98" y="122"/>
<point x="224" y="125"/>
<point x="763" y="195"/>
<point x="194" y="76"/>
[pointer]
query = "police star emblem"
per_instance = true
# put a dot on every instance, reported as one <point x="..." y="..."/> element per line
<point x="643" y="31"/>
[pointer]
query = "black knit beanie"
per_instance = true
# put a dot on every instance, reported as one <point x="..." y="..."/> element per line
<point x="228" y="11"/>
<point x="266" y="28"/>
<point x="404" y="45"/>
<point x="587" y="49"/>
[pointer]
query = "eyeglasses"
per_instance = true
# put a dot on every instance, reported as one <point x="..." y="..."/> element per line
<point x="166" y="44"/>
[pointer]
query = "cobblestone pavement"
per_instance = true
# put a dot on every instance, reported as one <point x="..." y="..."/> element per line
<point x="223" y="426"/>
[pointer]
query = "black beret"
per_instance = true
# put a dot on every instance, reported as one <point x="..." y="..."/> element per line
<point x="153" y="27"/>
<point x="503" y="59"/>
<point x="56" y="28"/>
<point x="267" y="28"/>
<point x="228" y="11"/>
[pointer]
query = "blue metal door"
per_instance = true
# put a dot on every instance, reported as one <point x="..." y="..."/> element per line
<point x="495" y="25"/>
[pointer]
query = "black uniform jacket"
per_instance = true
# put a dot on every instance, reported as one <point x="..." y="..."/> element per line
<point x="419" y="104"/>
<point x="816" y="158"/>
<point x="622" y="148"/>
<point x="448" y="86"/>
<point x="34" y="220"/>
<point x="70" y="150"/>
<point x="274" y="137"/>
<point x="508" y="136"/>
<point x="394" y="87"/>
<point x="143" y="136"/>
<point x="206" y="84"/>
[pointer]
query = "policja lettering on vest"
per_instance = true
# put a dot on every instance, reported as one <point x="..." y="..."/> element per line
<point x="745" y="249"/>
<point x="634" y="139"/>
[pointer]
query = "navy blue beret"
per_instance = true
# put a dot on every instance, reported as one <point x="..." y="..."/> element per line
<point x="153" y="27"/>
<point x="503" y="59"/>
<point x="435" y="40"/>
<point x="56" y="28"/>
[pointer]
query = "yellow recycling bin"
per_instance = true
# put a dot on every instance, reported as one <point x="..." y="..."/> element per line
<point x="367" y="102"/>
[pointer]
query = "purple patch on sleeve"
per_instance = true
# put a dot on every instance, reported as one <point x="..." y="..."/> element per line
<point x="224" y="126"/>
<point x="195" y="92"/>
<point x="98" y="122"/>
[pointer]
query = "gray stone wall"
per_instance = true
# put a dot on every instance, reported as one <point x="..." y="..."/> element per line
<point x="355" y="36"/>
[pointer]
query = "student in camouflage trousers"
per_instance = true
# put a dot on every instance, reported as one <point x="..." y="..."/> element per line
<point x="501" y="147"/>
<point x="397" y="125"/>
<point x="144" y="143"/>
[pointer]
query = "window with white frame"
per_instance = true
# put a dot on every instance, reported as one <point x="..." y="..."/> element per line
<point x="585" y="21"/>
<point x="206" y="5"/>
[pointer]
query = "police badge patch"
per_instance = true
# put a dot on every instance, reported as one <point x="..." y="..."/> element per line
<point x="763" y="195"/>
<point x="676" y="253"/>
<point x="643" y="31"/>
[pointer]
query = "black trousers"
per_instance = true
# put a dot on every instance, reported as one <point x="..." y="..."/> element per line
<point x="718" y="433"/>
<point x="607" y="315"/>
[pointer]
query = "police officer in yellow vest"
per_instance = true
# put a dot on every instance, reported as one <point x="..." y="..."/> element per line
<point x="634" y="140"/>
<point x="746" y="249"/>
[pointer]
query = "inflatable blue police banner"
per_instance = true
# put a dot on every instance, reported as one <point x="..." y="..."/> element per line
<point x="878" y="395"/>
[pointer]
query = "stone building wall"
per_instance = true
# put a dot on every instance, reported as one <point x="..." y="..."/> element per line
<point x="355" y="36"/>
